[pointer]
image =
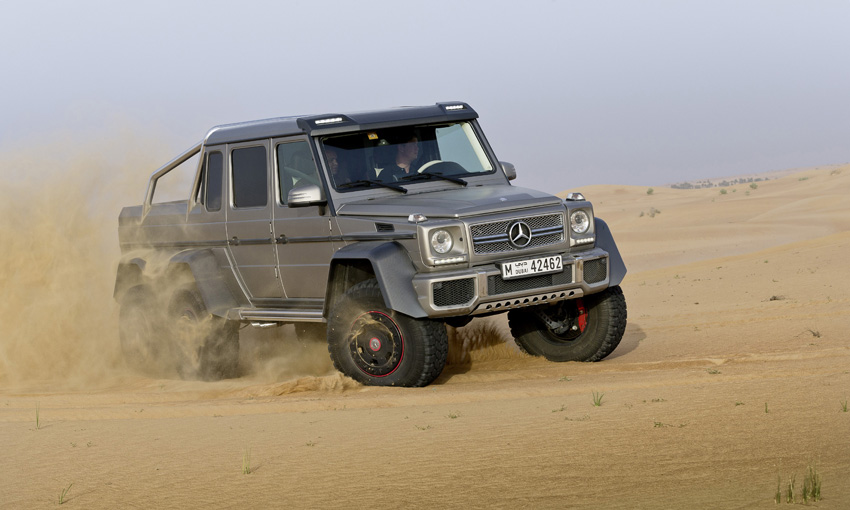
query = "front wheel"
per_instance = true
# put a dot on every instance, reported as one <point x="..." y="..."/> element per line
<point x="380" y="347"/>
<point x="584" y="329"/>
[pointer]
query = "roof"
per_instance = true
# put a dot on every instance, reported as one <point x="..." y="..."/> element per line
<point x="338" y="122"/>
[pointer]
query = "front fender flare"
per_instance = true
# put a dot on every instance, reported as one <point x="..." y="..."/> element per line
<point x="605" y="240"/>
<point x="391" y="266"/>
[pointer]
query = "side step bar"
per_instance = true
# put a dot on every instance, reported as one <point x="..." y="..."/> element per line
<point x="278" y="315"/>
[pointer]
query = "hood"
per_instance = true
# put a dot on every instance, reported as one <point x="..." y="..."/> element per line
<point x="453" y="203"/>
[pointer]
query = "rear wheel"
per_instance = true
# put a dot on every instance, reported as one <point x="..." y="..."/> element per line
<point x="141" y="332"/>
<point x="380" y="347"/>
<point x="205" y="346"/>
<point x="585" y="329"/>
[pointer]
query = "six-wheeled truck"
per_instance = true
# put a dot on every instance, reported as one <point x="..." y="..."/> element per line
<point x="374" y="230"/>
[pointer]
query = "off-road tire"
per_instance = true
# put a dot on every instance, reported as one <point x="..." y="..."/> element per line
<point x="377" y="346"/>
<point x="141" y="333"/>
<point x="605" y="325"/>
<point x="204" y="346"/>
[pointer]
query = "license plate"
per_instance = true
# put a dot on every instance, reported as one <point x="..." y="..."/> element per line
<point x="521" y="268"/>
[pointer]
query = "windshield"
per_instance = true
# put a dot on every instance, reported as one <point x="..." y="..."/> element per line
<point x="405" y="155"/>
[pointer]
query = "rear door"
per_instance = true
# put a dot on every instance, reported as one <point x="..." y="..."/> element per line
<point x="249" y="213"/>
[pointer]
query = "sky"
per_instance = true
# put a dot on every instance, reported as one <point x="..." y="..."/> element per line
<point x="573" y="93"/>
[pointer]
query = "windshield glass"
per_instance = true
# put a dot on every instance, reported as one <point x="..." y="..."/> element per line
<point x="404" y="155"/>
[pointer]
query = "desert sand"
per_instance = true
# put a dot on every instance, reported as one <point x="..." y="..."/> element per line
<point x="732" y="378"/>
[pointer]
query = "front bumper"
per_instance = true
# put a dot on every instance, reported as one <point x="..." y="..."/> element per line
<point x="481" y="289"/>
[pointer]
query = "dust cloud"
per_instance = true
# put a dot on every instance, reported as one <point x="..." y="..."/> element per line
<point x="58" y="251"/>
<point x="58" y="256"/>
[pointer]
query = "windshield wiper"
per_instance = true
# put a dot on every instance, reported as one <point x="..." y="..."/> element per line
<point x="457" y="180"/>
<point x="363" y="182"/>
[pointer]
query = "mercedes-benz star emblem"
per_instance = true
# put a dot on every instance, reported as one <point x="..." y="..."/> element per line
<point x="519" y="234"/>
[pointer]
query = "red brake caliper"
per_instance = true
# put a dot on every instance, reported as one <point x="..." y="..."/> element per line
<point x="582" y="315"/>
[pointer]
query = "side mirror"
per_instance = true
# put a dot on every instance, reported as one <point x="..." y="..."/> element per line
<point x="301" y="196"/>
<point x="509" y="169"/>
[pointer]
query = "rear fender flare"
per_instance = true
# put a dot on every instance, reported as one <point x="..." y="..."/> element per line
<point x="209" y="279"/>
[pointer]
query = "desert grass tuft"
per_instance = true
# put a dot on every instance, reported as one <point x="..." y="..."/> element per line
<point x="597" y="398"/>
<point x="37" y="417"/>
<point x="64" y="493"/>
<point x="246" y="462"/>
<point x="790" y="489"/>
<point x="844" y="405"/>
<point x="777" y="498"/>
<point x="811" y="485"/>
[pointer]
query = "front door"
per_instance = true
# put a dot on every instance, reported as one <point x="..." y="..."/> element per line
<point x="305" y="248"/>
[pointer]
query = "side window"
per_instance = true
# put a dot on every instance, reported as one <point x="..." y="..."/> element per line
<point x="214" y="178"/>
<point x="295" y="167"/>
<point x="250" y="181"/>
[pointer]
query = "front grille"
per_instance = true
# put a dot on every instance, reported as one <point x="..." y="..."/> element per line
<point x="496" y="285"/>
<point x="596" y="270"/>
<point x="453" y="292"/>
<point x="493" y="237"/>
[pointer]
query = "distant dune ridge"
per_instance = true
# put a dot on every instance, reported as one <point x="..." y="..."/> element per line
<point x="732" y="378"/>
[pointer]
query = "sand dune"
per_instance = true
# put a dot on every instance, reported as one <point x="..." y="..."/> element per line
<point x="730" y="379"/>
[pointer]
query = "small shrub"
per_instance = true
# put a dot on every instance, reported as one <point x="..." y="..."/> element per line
<point x="753" y="185"/>
<point x="650" y="191"/>
<point x="723" y="191"/>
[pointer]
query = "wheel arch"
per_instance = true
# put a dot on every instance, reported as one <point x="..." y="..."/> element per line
<point x="387" y="262"/>
<point x="202" y="268"/>
<point x="129" y="274"/>
<point x="198" y="267"/>
<point x="605" y="240"/>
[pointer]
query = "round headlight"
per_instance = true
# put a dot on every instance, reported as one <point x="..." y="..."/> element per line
<point x="441" y="241"/>
<point x="579" y="222"/>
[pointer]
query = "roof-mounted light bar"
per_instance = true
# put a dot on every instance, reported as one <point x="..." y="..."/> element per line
<point x="452" y="107"/>
<point x="329" y="120"/>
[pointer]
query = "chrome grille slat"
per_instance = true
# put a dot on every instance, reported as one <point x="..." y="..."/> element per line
<point x="492" y="237"/>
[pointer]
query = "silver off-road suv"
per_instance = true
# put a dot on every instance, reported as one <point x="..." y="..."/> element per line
<point x="373" y="229"/>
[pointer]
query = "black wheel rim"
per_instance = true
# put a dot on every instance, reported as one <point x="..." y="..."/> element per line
<point x="573" y="320"/>
<point x="376" y="344"/>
